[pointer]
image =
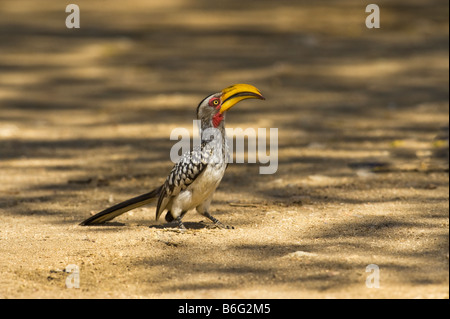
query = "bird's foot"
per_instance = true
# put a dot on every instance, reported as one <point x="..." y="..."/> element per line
<point x="216" y="222"/>
<point x="181" y="226"/>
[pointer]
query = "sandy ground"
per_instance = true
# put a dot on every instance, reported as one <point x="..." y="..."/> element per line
<point x="362" y="118"/>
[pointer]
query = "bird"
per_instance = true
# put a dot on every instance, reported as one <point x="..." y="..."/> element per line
<point x="194" y="178"/>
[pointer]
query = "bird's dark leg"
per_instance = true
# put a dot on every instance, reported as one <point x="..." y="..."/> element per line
<point x="169" y="218"/>
<point x="180" y="223"/>
<point x="216" y="221"/>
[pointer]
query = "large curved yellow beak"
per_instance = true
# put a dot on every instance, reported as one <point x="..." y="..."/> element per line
<point x="236" y="93"/>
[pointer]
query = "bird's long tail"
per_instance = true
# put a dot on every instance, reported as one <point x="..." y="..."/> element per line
<point x="122" y="207"/>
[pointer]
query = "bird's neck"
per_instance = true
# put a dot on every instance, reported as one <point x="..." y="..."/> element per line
<point x="210" y="128"/>
<point x="214" y="137"/>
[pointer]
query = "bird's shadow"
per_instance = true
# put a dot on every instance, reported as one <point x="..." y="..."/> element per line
<point x="188" y="225"/>
<point x="167" y="226"/>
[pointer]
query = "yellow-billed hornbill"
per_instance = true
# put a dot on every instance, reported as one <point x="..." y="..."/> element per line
<point x="195" y="177"/>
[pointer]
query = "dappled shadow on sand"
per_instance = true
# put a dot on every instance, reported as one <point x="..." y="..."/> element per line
<point x="362" y="117"/>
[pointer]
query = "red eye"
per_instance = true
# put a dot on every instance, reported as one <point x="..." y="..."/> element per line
<point x="214" y="102"/>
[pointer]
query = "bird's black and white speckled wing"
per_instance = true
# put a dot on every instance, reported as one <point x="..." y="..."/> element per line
<point x="190" y="166"/>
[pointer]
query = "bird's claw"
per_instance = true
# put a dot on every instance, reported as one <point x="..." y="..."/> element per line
<point x="223" y="226"/>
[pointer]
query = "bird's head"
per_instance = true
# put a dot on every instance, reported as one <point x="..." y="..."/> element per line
<point x="211" y="111"/>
